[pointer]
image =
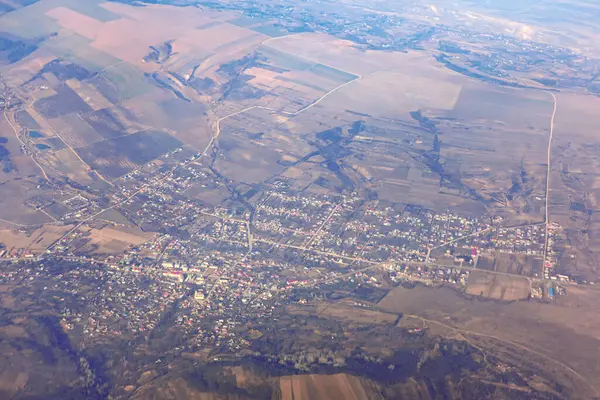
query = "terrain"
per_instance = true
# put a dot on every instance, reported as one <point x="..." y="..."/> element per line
<point x="413" y="342"/>
<point x="314" y="200"/>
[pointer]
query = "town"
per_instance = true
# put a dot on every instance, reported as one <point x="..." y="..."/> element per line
<point x="225" y="271"/>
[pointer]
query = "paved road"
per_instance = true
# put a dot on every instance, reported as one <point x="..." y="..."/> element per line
<point x="547" y="216"/>
<point x="313" y="237"/>
<point x="140" y="190"/>
<point x="454" y="241"/>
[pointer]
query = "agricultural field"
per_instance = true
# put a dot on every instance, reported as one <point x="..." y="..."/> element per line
<point x="307" y="387"/>
<point x="83" y="83"/>
<point x="297" y="176"/>
<point x="31" y="241"/>
<point x="115" y="157"/>
<point x="516" y="264"/>
<point x="115" y="240"/>
<point x="109" y="106"/>
<point x="272" y="103"/>
<point x="497" y="287"/>
<point x="574" y="184"/>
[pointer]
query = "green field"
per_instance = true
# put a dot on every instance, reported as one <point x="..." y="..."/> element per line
<point x="332" y="73"/>
<point x="284" y="60"/>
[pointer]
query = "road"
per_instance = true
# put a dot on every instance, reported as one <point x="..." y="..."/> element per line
<point x="313" y="237"/>
<point x="16" y="131"/>
<point x="547" y="214"/>
<point x="382" y="264"/>
<point x="208" y="147"/>
<point x="291" y="114"/>
<point x="140" y="190"/>
<point x="454" y="241"/>
<point x="299" y="111"/>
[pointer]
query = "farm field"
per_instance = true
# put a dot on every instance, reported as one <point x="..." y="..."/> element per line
<point x="322" y="387"/>
<point x="115" y="157"/>
<point x="33" y="242"/>
<point x="497" y="287"/>
<point x="110" y="106"/>
<point x="113" y="240"/>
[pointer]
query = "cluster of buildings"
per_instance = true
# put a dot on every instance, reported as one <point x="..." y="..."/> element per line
<point x="429" y="274"/>
<point x="220" y="296"/>
<point x="311" y="229"/>
<point x="221" y="272"/>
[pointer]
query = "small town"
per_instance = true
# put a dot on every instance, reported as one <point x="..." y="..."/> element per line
<point x="228" y="268"/>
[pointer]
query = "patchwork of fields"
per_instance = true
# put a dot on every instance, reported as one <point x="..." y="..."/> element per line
<point x="97" y="106"/>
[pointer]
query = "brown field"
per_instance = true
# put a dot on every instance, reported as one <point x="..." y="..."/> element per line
<point x="14" y="193"/>
<point x="488" y="103"/>
<point x="13" y="381"/>
<point x="6" y="131"/>
<point x="186" y="121"/>
<point x="209" y="195"/>
<point x="322" y="387"/>
<point x="25" y="165"/>
<point x="145" y="27"/>
<point x="497" y="287"/>
<point x="114" y="240"/>
<point x="517" y="264"/>
<point x="386" y="94"/>
<point x="340" y="54"/>
<point x="128" y="235"/>
<point x="347" y="313"/>
<point x="66" y="162"/>
<point x="13" y="331"/>
<point x="25" y="69"/>
<point x="89" y="94"/>
<point x="75" y="21"/>
<point x="74" y="131"/>
<point x="114" y="216"/>
<point x="34" y="242"/>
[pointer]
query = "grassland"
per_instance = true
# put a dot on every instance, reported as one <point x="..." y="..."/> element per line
<point x="346" y="313"/>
